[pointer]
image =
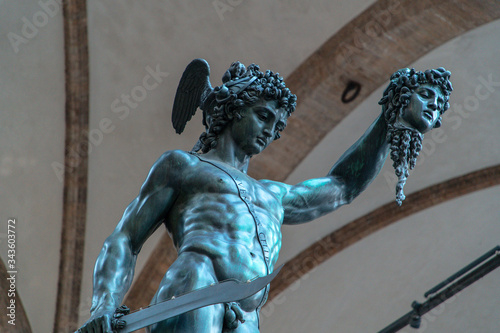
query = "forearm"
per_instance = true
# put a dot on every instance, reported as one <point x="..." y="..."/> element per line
<point x="113" y="274"/>
<point x="353" y="172"/>
<point x="362" y="162"/>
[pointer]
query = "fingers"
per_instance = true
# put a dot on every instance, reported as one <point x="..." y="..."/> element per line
<point x="116" y="322"/>
<point x="122" y="310"/>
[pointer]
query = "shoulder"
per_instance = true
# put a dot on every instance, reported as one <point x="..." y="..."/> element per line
<point x="277" y="188"/>
<point x="175" y="159"/>
<point x="171" y="165"/>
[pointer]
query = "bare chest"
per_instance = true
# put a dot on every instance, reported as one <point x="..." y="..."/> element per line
<point x="232" y="208"/>
<point x="231" y="186"/>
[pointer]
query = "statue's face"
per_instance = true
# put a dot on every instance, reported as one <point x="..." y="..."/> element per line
<point x="425" y="108"/>
<point x="258" y="126"/>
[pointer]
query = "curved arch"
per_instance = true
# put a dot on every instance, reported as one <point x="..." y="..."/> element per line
<point x="388" y="35"/>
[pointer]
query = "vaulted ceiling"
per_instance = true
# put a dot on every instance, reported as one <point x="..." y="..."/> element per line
<point x="354" y="270"/>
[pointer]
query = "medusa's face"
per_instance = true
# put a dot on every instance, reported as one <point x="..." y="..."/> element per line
<point x="425" y="107"/>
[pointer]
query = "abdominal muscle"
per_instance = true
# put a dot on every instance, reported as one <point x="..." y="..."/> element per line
<point x="220" y="227"/>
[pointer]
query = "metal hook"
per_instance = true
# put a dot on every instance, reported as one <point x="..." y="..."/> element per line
<point x="351" y="86"/>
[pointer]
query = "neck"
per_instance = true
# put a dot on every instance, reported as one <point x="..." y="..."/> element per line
<point x="227" y="152"/>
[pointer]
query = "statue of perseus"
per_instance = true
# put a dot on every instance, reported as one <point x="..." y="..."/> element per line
<point x="226" y="225"/>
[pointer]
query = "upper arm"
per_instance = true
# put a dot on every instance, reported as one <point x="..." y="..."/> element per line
<point x="159" y="191"/>
<point x="311" y="199"/>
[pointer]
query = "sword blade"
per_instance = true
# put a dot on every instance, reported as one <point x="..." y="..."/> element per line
<point x="223" y="292"/>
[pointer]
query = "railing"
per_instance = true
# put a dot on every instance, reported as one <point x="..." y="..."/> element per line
<point x="448" y="288"/>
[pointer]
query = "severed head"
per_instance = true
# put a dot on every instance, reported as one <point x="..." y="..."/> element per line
<point x="413" y="104"/>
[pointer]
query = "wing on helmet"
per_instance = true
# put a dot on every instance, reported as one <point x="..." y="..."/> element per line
<point x="193" y="87"/>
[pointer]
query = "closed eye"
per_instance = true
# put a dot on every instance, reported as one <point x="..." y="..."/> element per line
<point x="262" y="116"/>
<point x="424" y="93"/>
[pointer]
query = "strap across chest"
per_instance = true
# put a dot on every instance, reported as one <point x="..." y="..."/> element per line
<point x="245" y="196"/>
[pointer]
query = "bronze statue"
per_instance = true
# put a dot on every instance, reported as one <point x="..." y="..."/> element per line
<point x="224" y="224"/>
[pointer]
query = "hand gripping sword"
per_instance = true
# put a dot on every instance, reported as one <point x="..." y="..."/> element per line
<point x="223" y="292"/>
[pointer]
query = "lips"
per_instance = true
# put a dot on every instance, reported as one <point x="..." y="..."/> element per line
<point x="428" y="114"/>
<point x="261" y="141"/>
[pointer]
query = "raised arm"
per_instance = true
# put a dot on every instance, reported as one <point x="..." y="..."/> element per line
<point x="352" y="173"/>
<point x="114" y="268"/>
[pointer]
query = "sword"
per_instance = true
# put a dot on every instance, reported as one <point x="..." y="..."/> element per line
<point x="223" y="292"/>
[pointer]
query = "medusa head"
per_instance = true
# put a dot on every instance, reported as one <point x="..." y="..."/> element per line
<point x="413" y="104"/>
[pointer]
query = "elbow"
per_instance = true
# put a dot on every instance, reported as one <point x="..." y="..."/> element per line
<point x="346" y="193"/>
<point x="117" y="238"/>
<point x="116" y="259"/>
<point x="118" y="245"/>
<point x="347" y="199"/>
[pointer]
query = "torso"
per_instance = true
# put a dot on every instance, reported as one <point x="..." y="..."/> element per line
<point x="212" y="216"/>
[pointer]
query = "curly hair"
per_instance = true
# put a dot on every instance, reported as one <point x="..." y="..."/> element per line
<point x="225" y="103"/>
<point x="406" y="143"/>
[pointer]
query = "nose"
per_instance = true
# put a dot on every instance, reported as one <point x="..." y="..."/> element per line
<point x="267" y="132"/>
<point x="432" y="104"/>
